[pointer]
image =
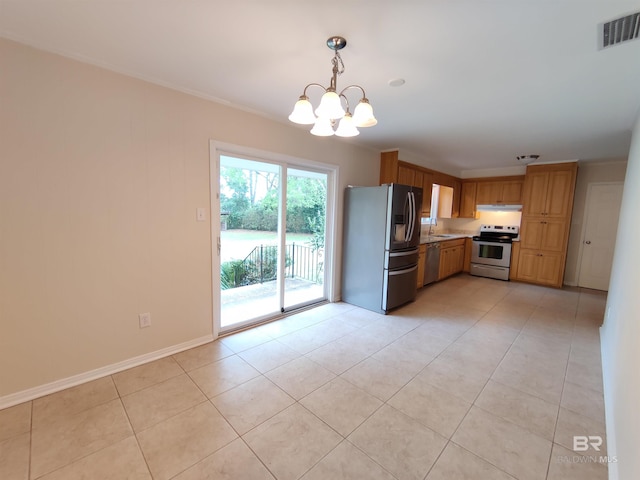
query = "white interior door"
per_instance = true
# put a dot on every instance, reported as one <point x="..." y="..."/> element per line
<point x="599" y="239"/>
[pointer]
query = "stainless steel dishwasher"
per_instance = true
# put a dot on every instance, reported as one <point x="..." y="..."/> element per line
<point x="432" y="263"/>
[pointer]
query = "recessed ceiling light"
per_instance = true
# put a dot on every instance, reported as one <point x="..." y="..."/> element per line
<point x="396" y="82"/>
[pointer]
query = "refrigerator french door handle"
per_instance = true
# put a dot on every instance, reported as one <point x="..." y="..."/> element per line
<point x="405" y="215"/>
<point x="412" y="216"/>
<point x="409" y="231"/>
<point x="415" y="214"/>
<point x="407" y="237"/>
<point x="402" y="272"/>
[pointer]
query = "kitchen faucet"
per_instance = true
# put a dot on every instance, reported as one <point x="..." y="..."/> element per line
<point x="432" y="222"/>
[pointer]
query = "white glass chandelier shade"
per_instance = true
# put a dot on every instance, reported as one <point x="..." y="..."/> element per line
<point x="331" y="108"/>
<point x="363" y="114"/>
<point x="322" y="127"/>
<point x="346" y="128"/>
<point x="303" y="112"/>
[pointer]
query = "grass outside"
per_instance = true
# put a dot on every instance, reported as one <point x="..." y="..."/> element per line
<point x="237" y="244"/>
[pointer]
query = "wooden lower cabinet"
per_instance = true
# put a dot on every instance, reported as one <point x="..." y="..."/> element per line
<point x="544" y="268"/>
<point x="466" y="266"/>
<point x="422" y="253"/>
<point x="515" y="258"/>
<point x="451" y="258"/>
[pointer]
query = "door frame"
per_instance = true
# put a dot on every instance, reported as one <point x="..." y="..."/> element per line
<point x="583" y="230"/>
<point x="217" y="148"/>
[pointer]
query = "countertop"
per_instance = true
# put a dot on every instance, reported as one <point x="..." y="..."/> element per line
<point x="443" y="237"/>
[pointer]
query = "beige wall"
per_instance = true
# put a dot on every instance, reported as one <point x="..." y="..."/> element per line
<point x="100" y="178"/>
<point x="620" y="334"/>
<point x="588" y="172"/>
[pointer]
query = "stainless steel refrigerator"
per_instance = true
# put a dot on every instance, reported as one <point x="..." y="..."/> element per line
<point x="380" y="247"/>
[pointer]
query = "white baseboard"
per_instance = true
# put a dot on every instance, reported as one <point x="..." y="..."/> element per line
<point x="609" y="412"/>
<point x="49" y="388"/>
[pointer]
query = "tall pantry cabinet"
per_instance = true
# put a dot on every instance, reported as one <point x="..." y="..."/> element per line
<point x="546" y="220"/>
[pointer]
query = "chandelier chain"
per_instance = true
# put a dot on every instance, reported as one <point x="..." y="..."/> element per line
<point x="338" y="64"/>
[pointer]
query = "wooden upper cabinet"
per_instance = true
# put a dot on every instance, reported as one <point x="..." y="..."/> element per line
<point x="466" y="193"/>
<point x="457" y="191"/>
<point x="535" y="193"/>
<point x="488" y="193"/>
<point x="468" y="200"/>
<point x="417" y="178"/>
<point x="508" y="192"/>
<point x="512" y="192"/>
<point x="406" y="175"/>
<point x="427" y="185"/>
<point x="548" y="190"/>
<point x="389" y="167"/>
<point x="560" y="193"/>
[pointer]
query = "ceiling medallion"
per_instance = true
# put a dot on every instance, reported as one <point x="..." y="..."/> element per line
<point x="527" y="159"/>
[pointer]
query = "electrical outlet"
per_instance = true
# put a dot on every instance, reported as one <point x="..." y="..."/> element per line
<point x="145" y="320"/>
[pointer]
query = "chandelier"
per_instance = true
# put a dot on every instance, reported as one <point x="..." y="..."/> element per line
<point x="331" y="110"/>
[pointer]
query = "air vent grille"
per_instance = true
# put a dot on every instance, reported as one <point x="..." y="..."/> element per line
<point x="621" y="30"/>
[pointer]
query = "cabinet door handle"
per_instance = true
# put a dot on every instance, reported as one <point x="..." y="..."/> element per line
<point x="588" y="242"/>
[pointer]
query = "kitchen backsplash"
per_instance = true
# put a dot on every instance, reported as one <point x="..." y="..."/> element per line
<point x="471" y="226"/>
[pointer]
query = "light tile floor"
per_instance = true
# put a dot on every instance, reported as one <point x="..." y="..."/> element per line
<point x="477" y="379"/>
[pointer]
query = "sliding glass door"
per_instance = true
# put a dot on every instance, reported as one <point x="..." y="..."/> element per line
<point x="304" y="272"/>
<point x="272" y="239"/>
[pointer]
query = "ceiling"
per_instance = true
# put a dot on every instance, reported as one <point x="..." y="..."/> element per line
<point x="485" y="80"/>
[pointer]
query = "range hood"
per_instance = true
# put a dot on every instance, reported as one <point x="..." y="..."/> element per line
<point x="499" y="208"/>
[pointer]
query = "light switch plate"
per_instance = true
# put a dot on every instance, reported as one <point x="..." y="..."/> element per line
<point x="200" y="214"/>
<point x="144" y="319"/>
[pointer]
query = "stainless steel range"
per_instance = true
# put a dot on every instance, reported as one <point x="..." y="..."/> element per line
<point x="491" y="251"/>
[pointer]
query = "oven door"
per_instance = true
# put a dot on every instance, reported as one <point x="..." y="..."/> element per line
<point x="486" y="252"/>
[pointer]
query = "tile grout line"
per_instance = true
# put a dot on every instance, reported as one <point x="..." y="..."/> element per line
<point x="566" y="367"/>
<point x="135" y="434"/>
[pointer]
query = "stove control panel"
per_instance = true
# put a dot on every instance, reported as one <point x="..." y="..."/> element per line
<point x="513" y="230"/>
